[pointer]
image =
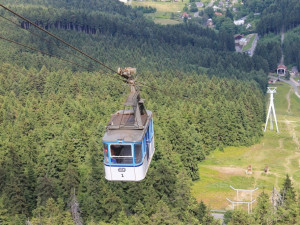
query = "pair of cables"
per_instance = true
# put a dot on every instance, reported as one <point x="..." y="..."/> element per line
<point x="76" y="49"/>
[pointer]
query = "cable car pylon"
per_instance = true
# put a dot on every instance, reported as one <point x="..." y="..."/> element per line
<point x="271" y="111"/>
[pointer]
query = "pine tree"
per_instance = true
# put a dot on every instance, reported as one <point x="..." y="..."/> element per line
<point x="46" y="188"/>
<point x="263" y="210"/>
<point x="70" y="180"/>
<point x="4" y="215"/>
<point x="288" y="212"/>
<point x="287" y="191"/>
<point x="201" y="211"/>
<point x="93" y="189"/>
<point x="240" y="217"/>
<point x="163" y="215"/>
<point x="30" y="193"/>
<point x="14" y="194"/>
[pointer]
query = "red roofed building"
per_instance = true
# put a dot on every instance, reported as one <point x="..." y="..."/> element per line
<point x="281" y="69"/>
<point x="238" y="37"/>
<point x="218" y="14"/>
<point x="185" y="15"/>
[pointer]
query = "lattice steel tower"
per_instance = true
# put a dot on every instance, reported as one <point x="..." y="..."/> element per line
<point x="271" y="111"/>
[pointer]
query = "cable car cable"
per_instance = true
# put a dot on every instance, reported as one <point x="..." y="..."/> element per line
<point x="19" y="26"/>
<point x="58" y="38"/>
<point x="167" y="93"/>
<point x="45" y="53"/>
<point x="63" y="59"/>
<point x="85" y="54"/>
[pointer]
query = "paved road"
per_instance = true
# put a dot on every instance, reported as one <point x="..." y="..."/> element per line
<point x="291" y="82"/>
<point x="210" y="4"/>
<point x="252" y="49"/>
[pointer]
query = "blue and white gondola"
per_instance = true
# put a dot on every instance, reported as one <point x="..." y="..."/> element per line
<point x="128" y="152"/>
<point x="129" y="138"/>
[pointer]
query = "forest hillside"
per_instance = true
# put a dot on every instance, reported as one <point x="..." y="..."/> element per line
<point x="53" y="114"/>
<point x="278" y="17"/>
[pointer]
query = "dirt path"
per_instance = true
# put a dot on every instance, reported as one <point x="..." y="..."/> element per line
<point x="289" y="101"/>
<point x="286" y="160"/>
<point x="282" y="40"/>
<point x="291" y="129"/>
<point x="291" y="157"/>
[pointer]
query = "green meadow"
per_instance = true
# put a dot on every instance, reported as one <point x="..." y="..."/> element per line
<point x="162" y="6"/>
<point x="279" y="151"/>
<point x="167" y="12"/>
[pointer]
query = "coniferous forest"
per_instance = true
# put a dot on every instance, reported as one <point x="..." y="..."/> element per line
<point x="276" y="17"/>
<point x="53" y="114"/>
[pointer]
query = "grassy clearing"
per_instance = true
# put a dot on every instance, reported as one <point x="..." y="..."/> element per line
<point x="249" y="44"/>
<point x="162" y="6"/>
<point x="206" y="2"/>
<point x="166" y="21"/>
<point x="281" y="152"/>
<point x="164" y="11"/>
<point x="163" y="18"/>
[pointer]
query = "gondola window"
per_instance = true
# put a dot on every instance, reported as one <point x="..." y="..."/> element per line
<point x="121" y="154"/>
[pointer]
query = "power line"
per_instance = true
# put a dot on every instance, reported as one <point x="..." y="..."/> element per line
<point x="45" y="53"/>
<point x="19" y="26"/>
<point x="60" y="58"/>
<point x="168" y="94"/>
<point x="58" y="38"/>
<point x="83" y="53"/>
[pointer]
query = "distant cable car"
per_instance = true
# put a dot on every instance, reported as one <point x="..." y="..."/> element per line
<point x="129" y="138"/>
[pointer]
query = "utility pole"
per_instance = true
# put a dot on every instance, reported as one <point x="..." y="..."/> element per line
<point x="271" y="111"/>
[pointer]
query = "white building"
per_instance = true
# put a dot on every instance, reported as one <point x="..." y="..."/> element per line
<point x="243" y="41"/>
<point x="125" y="1"/>
<point x="215" y="8"/>
<point x="199" y="4"/>
<point x="239" y="22"/>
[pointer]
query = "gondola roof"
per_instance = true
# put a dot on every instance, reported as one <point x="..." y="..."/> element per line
<point x="122" y="128"/>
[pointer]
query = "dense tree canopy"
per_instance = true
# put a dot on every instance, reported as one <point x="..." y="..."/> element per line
<point x="52" y="124"/>
<point x="277" y="15"/>
<point x="132" y="40"/>
<point x="53" y="114"/>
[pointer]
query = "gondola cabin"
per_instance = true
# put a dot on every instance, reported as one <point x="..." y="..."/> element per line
<point x="129" y="141"/>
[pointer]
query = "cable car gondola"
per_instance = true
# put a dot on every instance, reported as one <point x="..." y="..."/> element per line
<point x="129" y="138"/>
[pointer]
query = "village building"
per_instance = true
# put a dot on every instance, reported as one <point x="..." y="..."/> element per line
<point x="125" y="1"/>
<point x="218" y="14"/>
<point x="215" y="8"/>
<point x="243" y="41"/>
<point x="239" y="22"/>
<point x="210" y="23"/>
<point x="185" y="15"/>
<point x="238" y="37"/>
<point x="295" y="71"/>
<point x="281" y="70"/>
<point x="199" y="4"/>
